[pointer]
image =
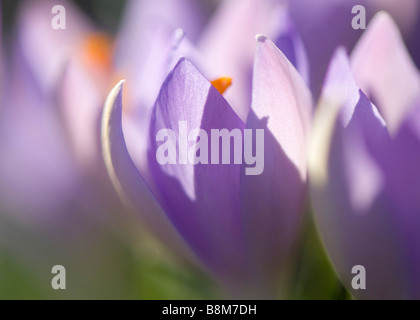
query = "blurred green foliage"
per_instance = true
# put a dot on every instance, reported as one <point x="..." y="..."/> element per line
<point x="315" y="278"/>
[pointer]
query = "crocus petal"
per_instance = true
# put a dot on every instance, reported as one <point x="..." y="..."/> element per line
<point x="403" y="189"/>
<point x="323" y="25"/>
<point x="289" y="41"/>
<point x="385" y="71"/>
<point x="280" y="94"/>
<point x="145" y="78"/>
<point x="326" y="24"/>
<point x="81" y="113"/>
<point x="37" y="172"/>
<point x="231" y="55"/>
<point x="45" y="49"/>
<point x="143" y="16"/>
<point x="143" y="59"/>
<point x="272" y="202"/>
<point x="147" y="71"/>
<point x="2" y="66"/>
<point x="165" y="53"/>
<point x="404" y="12"/>
<point x="348" y="186"/>
<point x="184" y="47"/>
<point x="202" y="200"/>
<point x="125" y="177"/>
<point x="413" y="43"/>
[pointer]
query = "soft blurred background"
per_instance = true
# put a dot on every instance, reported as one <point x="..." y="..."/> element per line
<point x="113" y="257"/>
<point x="106" y="251"/>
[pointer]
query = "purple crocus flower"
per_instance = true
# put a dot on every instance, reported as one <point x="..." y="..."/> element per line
<point x="48" y="179"/>
<point x="364" y="164"/>
<point x="326" y="24"/>
<point x="223" y="47"/>
<point x="241" y="228"/>
<point x="57" y="203"/>
<point x="226" y="44"/>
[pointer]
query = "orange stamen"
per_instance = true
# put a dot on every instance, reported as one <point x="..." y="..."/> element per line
<point x="98" y="51"/>
<point x="222" y="84"/>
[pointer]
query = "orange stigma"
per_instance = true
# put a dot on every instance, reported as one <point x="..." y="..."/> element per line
<point x="98" y="51"/>
<point x="222" y="84"/>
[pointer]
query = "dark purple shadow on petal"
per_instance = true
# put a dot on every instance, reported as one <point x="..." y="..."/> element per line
<point x="413" y="42"/>
<point x="323" y="28"/>
<point x="291" y="44"/>
<point x="402" y="167"/>
<point x="367" y="119"/>
<point x="362" y="234"/>
<point x="202" y="201"/>
<point x="285" y="44"/>
<point x="272" y="205"/>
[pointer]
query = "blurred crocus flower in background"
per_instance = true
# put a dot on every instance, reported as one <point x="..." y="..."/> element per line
<point x="364" y="161"/>
<point x="50" y="153"/>
<point x="326" y="24"/>
<point x="57" y="203"/>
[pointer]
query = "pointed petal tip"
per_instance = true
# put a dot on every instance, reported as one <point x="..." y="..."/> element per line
<point x="112" y="109"/>
<point x="384" y="22"/>
<point x="341" y="52"/>
<point x="117" y="89"/>
<point x="383" y="17"/>
<point x="339" y="65"/>
<point x="177" y="37"/>
<point x="261" y="38"/>
<point x="179" y="33"/>
<point x="182" y="63"/>
<point x="110" y="101"/>
<point x="381" y="53"/>
<point x="182" y="67"/>
<point x="120" y="84"/>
